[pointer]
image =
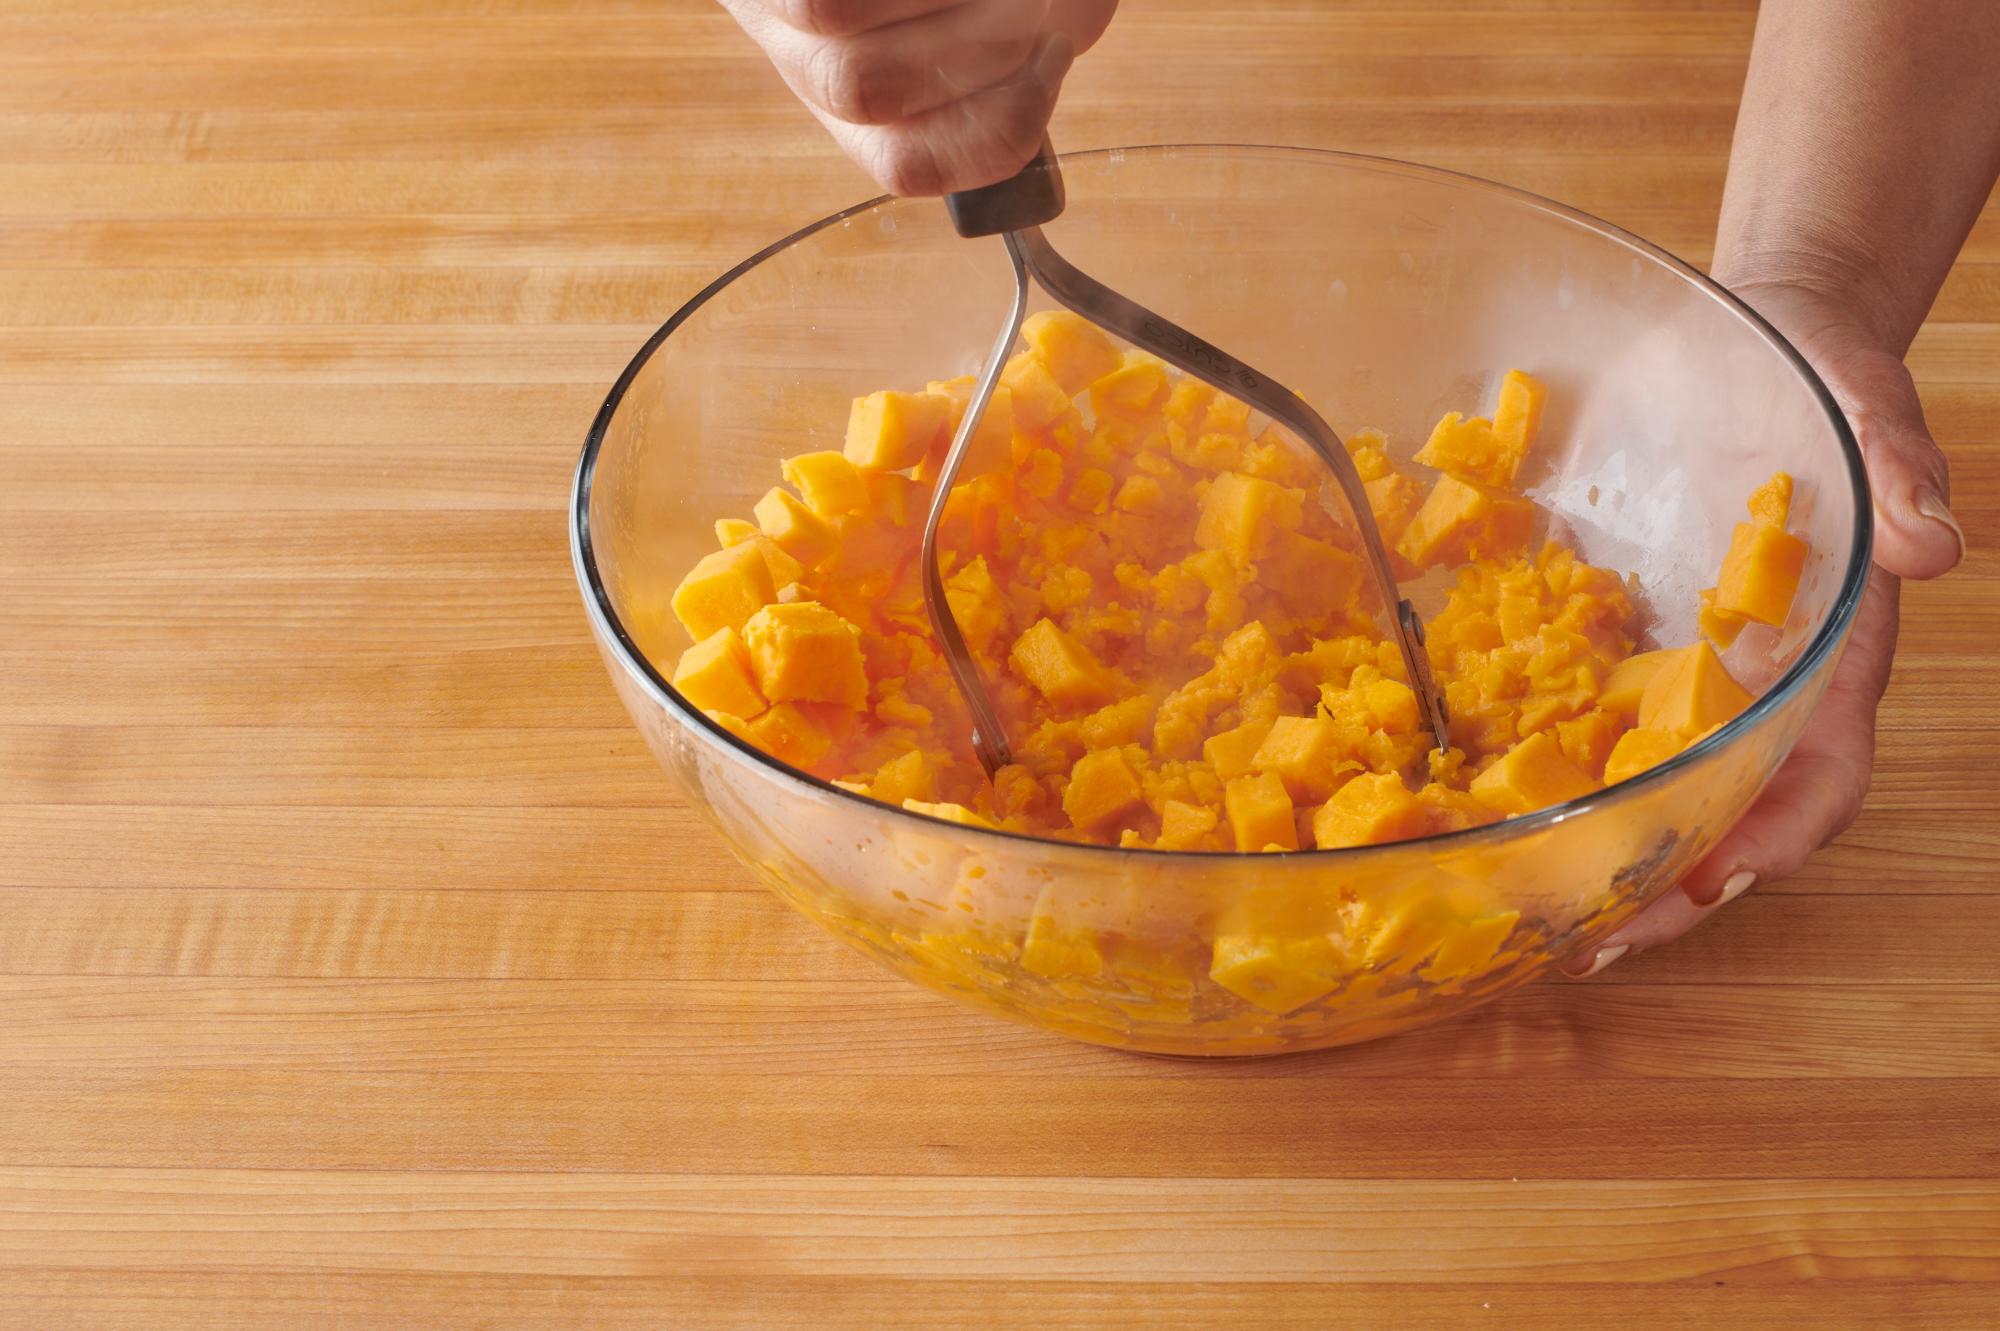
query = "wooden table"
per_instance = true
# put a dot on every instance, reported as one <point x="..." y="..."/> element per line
<point x="359" y="970"/>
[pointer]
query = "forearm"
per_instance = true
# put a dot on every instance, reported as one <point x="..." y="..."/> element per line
<point x="1868" y="140"/>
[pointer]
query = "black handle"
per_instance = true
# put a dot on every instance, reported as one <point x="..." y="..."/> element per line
<point x="1031" y="196"/>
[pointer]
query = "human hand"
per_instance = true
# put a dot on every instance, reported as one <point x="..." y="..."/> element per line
<point x="1818" y="790"/>
<point x="927" y="96"/>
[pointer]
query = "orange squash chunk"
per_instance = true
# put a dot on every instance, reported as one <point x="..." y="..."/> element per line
<point x="1230" y="752"/>
<point x="1061" y="669"/>
<point x="827" y="481"/>
<point x="1692" y="694"/>
<point x="1517" y="418"/>
<point x="723" y="590"/>
<point x="1627" y="681"/>
<point x="1038" y="399"/>
<point x="1305" y="752"/>
<point x="806" y="653"/>
<point x="1103" y="789"/>
<point x="1370" y="809"/>
<point x="715" y="675"/>
<point x="1771" y="502"/>
<point x="1460" y="520"/>
<point x="1639" y="750"/>
<point x="796" y="529"/>
<point x="792" y="733"/>
<point x="951" y="813"/>
<point x="1242" y="515"/>
<point x="1185" y="826"/>
<point x="1260" y="813"/>
<point x="909" y="776"/>
<point x="1532" y="775"/>
<point x="1760" y="574"/>
<point x="1073" y="350"/>
<point x="733" y="531"/>
<point x="889" y="431"/>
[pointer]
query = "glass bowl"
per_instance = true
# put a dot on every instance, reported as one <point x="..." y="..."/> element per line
<point x="1387" y="294"/>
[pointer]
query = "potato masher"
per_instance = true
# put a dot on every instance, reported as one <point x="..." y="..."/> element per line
<point x="1015" y="210"/>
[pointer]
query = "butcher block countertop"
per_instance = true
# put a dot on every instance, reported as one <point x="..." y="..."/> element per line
<point x="359" y="969"/>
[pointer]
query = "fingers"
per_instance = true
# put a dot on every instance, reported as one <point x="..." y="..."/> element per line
<point x="846" y="18"/>
<point x="974" y="141"/>
<point x="1916" y="535"/>
<point x="928" y="96"/>
<point x="892" y="73"/>
<point x="1813" y="798"/>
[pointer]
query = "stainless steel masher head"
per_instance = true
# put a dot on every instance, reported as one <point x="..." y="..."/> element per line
<point x="1015" y="210"/>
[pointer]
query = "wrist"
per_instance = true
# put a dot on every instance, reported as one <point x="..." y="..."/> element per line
<point x="1823" y="283"/>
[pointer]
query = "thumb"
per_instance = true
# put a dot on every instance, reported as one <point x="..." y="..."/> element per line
<point x="1916" y="535"/>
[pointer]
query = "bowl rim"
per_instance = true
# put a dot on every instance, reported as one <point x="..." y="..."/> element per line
<point x="1823" y="644"/>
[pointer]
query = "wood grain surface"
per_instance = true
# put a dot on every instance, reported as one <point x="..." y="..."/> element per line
<point x="359" y="969"/>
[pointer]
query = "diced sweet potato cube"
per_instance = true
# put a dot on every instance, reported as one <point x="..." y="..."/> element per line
<point x="1102" y="790"/>
<point x="723" y="590"/>
<point x="1517" y="417"/>
<point x="1278" y="975"/>
<point x="1185" y="826"/>
<point x="1393" y="498"/>
<point x="1760" y="574"/>
<point x="1460" y="520"/>
<point x="784" y="568"/>
<point x="1638" y="750"/>
<point x="789" y="733"/>
<point x="907" y="777"/>
<point x="1312" y="577"/>
<point x="1392" y="706"/>
<point x="1230" y="752"/>
<point x="889" y="431"/>
<point x="1242" y="515"/>
<point x="1061" y="669"/>
<point x="890" y="496"/>
<point x="714" y="675"/>
<point x="1370" y="809"/>
<point x="1471" y="945"/>
<point x="827" y="481"/>
<point x="1587" y="740"/>
<point x="1692" y="694"/>
<point x="1116" y="723"/>
<point x="733" y="531"/>
<point x="1304" y="752"/>
<point x="992" y="447"/>
<point x="1467" y="449"/>
<point x="1532" y="775"/>
<point x="796" y="529"/>
<point x="1627" y="681"/>
<point x="1134" y="388"/>
<point x="951" y="813"/>
<point x="1771" y="502"/>
<point x="1718" y="626"/>
<point x="806" y="653"/>
<point x="1037" y="399"/>
<point x="1260" y="813"/>
<point x="976" y="603"/>
<point x="1072" y="349"/>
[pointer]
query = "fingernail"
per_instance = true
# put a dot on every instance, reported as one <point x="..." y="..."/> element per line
<point x="1738" y="883"/>
<point x="1605" y="956"/>
<point x="1931" y="504"/>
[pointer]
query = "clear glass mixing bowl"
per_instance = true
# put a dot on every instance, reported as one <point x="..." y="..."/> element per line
<point x="1387" y="294"/>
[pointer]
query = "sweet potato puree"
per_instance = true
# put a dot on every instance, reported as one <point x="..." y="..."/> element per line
<point x="1181" y="637"/>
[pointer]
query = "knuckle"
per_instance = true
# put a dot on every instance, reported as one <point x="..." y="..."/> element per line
<point x="823" y="18"/>
<point x="846" y="82"/>
<point x="907" y="166"/>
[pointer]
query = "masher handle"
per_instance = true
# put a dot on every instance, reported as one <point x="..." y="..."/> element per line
<point x="1031" y="196"/>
